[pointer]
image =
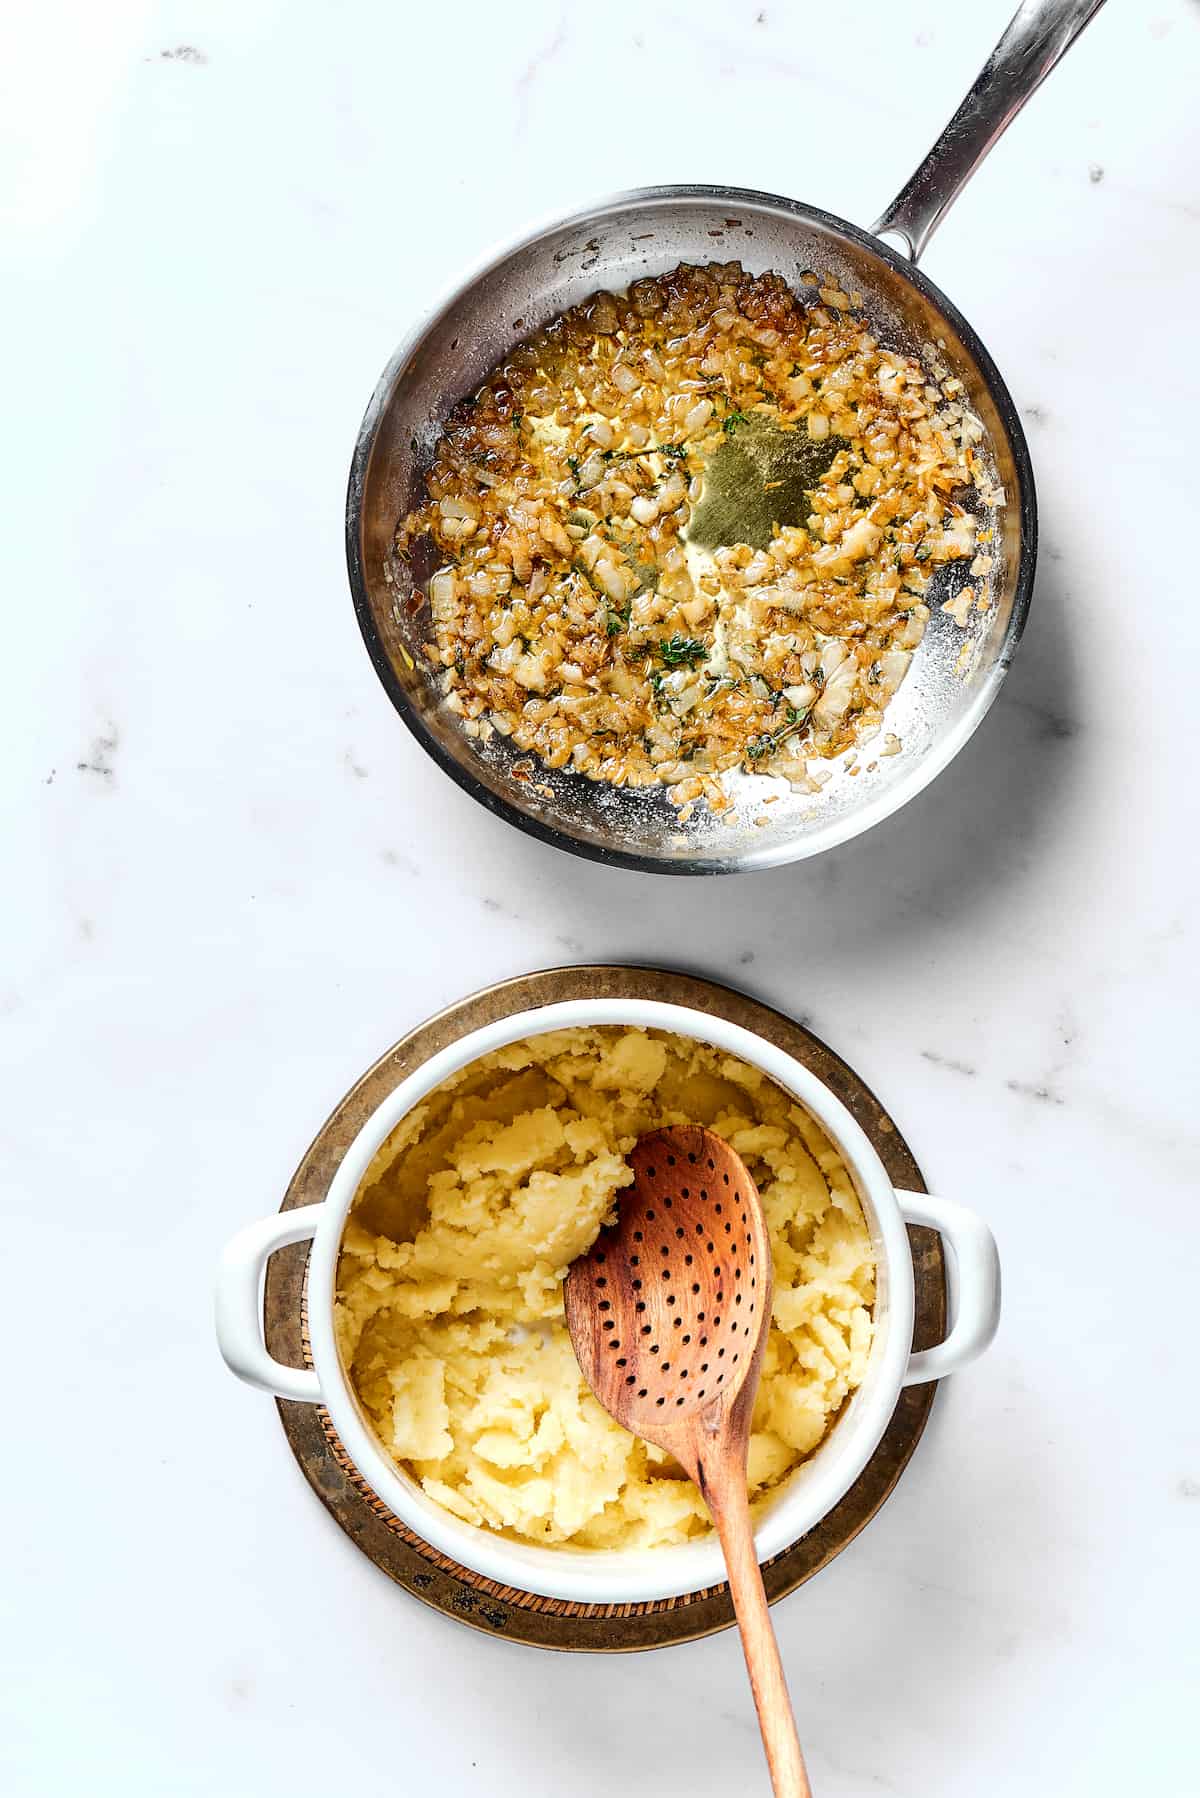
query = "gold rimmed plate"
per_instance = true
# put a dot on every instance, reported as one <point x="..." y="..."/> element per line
<point x="404" y="1556"/>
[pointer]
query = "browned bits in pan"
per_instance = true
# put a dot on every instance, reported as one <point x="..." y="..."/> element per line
<point x="690" y="529"/>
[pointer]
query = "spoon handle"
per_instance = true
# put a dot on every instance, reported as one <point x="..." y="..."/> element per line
<point x="730" y="1509"/>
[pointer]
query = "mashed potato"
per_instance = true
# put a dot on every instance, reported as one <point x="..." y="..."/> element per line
<point x="449" y="1292"/>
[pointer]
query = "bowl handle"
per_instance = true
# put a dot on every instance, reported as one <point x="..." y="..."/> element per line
<point x="239" y="1305"/>
<point x="974" y="1281"/>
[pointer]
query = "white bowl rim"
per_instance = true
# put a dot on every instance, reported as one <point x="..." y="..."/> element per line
<point x="611" y="1576"/>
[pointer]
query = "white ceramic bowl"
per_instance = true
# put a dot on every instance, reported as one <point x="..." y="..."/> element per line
<point x="611" y="1577"/>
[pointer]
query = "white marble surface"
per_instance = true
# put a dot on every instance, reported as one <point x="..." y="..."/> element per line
<point x="232" y="879"/>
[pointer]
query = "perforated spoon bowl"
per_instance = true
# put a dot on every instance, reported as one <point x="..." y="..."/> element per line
<point x="668" y="1313"/>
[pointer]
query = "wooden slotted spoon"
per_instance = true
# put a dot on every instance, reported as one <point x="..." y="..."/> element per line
<point x="669" y="1312"/>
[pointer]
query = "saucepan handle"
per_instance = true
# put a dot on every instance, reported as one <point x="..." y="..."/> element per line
<point x="1040" y="32"/>
<point x="974" y="1280"/>
<point x="239" y="1304"/>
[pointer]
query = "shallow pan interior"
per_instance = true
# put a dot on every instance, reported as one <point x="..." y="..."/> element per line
<point x="609" y="246"/>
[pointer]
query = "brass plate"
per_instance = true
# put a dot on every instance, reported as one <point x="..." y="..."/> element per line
<point x="405" y="1557"/>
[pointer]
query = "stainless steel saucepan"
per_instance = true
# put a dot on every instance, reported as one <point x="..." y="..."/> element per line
<point x="647" y="233"/>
